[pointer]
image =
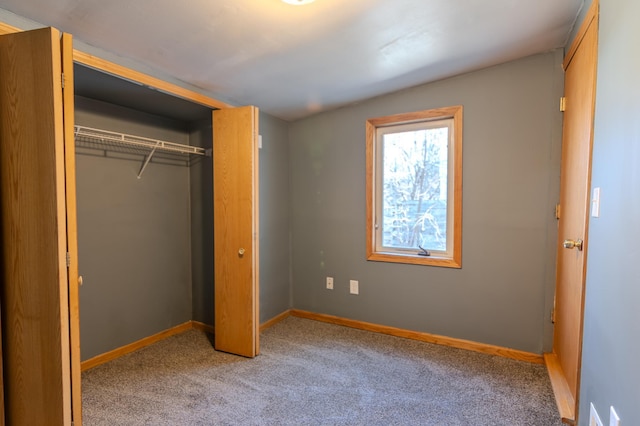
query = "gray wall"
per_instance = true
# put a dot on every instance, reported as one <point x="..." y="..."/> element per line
<point x="275" y="262"/>
<point x="201" y="189"/>
<point x="610" y="368"/>
<point x="133" y="234"/>
<point x="511" y="153"/>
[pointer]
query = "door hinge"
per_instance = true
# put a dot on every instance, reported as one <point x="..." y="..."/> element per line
<point x="563" y="104"/>
<point x="553" y="315"/>
<point x="68" y="260"/>
<point x="63" y="80"/>
<point x="557" y="212"/>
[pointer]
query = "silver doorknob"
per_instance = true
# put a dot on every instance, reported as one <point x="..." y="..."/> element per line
<point x="80" y="280"/>
<point x="241" y="251"/>
<point x="570" y="244"/>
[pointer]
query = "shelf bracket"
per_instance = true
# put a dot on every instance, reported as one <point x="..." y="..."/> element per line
<point x="146" y="160"/>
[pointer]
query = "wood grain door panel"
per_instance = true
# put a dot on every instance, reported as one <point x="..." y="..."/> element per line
<point x="35" y="316"/>
<point x="580" y="77"/>
<point x="235" y="230"/>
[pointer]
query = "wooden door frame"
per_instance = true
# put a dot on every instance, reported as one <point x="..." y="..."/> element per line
<point x="72" y="226"/>
<point x="568" y="405"/>
<point x="132" y="75"/>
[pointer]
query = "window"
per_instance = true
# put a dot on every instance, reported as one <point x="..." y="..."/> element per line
<point x="414" y="188"/>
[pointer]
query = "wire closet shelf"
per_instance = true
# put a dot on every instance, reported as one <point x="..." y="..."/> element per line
<point x="150" y="146"/>
<point x="137" y="141"/>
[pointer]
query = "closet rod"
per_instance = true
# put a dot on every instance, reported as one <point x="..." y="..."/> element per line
<point x="138" y="141"/>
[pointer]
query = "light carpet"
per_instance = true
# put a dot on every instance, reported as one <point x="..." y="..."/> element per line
<point x="313" y="373"/>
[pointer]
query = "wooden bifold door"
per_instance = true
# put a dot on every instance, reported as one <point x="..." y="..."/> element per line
<point x="40" y="347"/>
<point x="235" y="193"/>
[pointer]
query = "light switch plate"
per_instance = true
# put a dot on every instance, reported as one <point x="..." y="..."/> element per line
<point x="353" y="287"/>
<point x="595" y="203"/>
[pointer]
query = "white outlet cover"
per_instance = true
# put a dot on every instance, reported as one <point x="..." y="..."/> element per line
<point x="594" y="418"/>
<point x="614" y="419"/>
<point x="353" y="287"/>
<point x="330" y="283"/>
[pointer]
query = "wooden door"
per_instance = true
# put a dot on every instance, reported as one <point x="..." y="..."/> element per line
<point x="235" y="211"/>
<point x="35" y="291"/>
<point x="580" y="79"/>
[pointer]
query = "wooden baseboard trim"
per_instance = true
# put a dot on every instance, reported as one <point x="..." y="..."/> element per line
<point x="273" y="321"/>
<point x="564" y="398"/>
<point x="361" y="325"/>
<point x="203" y="327"/>
<point x="424" y="337"/>
<point x="132" y="347"/>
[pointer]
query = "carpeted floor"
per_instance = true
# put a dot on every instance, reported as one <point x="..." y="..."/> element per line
<point x="312" y="373"/>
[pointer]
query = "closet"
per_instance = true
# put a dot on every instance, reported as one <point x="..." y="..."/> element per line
<point x="135" y="203"/>
<point x="144" y="211"/>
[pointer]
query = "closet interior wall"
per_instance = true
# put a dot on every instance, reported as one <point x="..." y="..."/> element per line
<point x="201" y="179"/>
<point x="145" y="245"/>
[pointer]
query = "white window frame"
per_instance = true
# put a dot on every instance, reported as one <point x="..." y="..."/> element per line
<point x="376" y="128"/>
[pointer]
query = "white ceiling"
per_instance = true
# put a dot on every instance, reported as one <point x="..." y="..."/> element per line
<point x="292" y="61"/>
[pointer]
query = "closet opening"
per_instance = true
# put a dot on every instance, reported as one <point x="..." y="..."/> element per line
<point x="145" y="216"/>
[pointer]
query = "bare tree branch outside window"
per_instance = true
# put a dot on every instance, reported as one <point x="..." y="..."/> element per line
<point x="415" y="189"/>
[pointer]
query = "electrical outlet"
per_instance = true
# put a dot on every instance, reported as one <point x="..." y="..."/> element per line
<point x="594" y="418"/>
<point x="330" y="283"/>
<point x="614" y="419"/>
<point x="353" y="287"/>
